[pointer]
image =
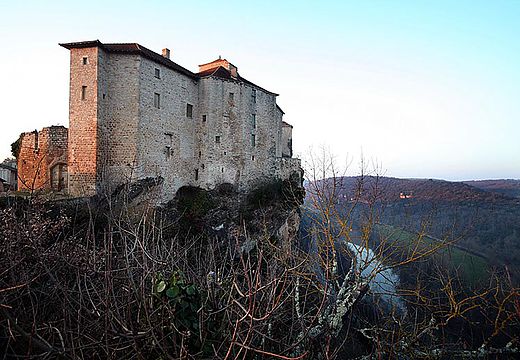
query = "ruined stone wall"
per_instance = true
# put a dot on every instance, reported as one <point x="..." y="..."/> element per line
<point x="42" y="154"/>
<point x="83" y="110"/>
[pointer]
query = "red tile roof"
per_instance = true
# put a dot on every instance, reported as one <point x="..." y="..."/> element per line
<point x="224" y="73"/>
<point x="131" y="48"/>
<point x="134" y="48"/>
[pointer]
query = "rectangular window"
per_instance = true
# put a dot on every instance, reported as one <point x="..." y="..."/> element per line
<point x="217" y="139"/>
<point x="85" y="60"/>
<point x="157" y="73"/>
<point x="196" y="174"/>
<point x="203" y="118"/>
<point x="253" y="95"/>
<point x="157" y="100"/>
<point x="189" y="111"/>
<point x="83" y="92"/>
<point x="253" y="140"/>
<point x="252" y="158"/>
<point x="231" y="97"/>
<point x="253" y="121"/>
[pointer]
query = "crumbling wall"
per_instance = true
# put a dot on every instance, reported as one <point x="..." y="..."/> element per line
<point x="42" y="161"/>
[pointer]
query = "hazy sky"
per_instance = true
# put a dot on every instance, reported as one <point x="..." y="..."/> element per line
<point x="426" y="88"/>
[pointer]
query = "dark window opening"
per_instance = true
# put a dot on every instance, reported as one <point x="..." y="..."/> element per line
<point x="253" y="95"/>
<point x="85" y="60"/>
<point x="200" y="154"/>
<point x="59" y="177"/>
<point x="202" y="166"/>
<point x="189" y="110"/>
<point x="253" y="140"/>
<point x="252" y="158"/>
<point x="203" y="118"/>
<point x="104" y="96"/>
<point x="217" y="139"/>
<point x="36" y="145"/>
<point x="225" y="152"/>
<point x="253" y="121"/>
<point x="157" y="73"/>
<point x="196" y="174"/>
<point x="83" y="92"/>
<point x="231" y="97"/>
<point x="157" y="100"/>
<point x="222" y="170"/>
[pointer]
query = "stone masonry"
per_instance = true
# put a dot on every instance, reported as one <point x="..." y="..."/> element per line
<point x="42" y="160"/>
<point x="134" y="114"/>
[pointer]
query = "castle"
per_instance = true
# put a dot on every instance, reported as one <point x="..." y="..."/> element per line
<point x="134" y="114"/>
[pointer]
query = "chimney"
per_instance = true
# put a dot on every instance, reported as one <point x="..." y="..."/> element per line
<point x="166" y="53"/>
<point x="233" y="70"/>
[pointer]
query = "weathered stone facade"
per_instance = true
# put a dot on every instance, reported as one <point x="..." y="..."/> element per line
<point x="136" y="114"/>
<point x="42" y="160"/>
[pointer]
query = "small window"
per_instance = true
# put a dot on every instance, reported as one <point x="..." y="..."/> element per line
<point x="200" y="154"/>
<point x="217" y="139"/>
<point x="157" y="73"/>
<point x="196" y="174"/>
<point x="203" y="118"/>
<point x="252" y="158"/>
<point x="253" y="121"/>
<point x="157" y="100"/>
<point x="83" y="92"/>
<point x="85" y="60"/>
<point x="222" y="170"/>
<point x="253" y="95"/>
<point x="189" y="111"/>
<point x="253" y="140"/>
<point x="104" y="96"/>
<point x="231" y="97"/>
<point x="202" y="166"/>
<point x="225" y="152"/>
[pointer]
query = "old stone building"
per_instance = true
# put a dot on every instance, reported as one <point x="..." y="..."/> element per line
<point x="8" y="175"/>
<point x="42" y="160"/>
<point x="135" y="114"/>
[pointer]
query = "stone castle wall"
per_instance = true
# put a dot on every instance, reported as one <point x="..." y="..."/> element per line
<point x="118" y="132"/>
<point x="118" y="121"/>
<point x="166" y="142"/>
<point x="42" y="160"/>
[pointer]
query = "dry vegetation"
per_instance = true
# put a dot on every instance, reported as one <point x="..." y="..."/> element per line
<point x="108" y="279"/>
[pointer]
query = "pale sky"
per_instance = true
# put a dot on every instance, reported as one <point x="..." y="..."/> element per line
<point x="428" y="89"/>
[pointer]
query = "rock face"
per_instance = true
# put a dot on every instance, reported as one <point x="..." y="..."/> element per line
<point x="42" y="160"/>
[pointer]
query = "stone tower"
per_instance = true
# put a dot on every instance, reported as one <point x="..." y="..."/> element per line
<point x="84" y="110"/>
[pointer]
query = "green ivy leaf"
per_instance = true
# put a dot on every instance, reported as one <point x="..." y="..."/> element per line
<point x="172" y="292"/>
<point x="160" y="286"/>
<point x="190" y="290"/>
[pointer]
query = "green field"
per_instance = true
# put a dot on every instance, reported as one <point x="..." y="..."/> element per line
<point x="473" y="268"/>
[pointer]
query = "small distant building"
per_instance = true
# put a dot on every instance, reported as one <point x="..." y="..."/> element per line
<point x="8" y="175"/>
<point x="406" y="195"/>
<point x="42" y="160"/>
